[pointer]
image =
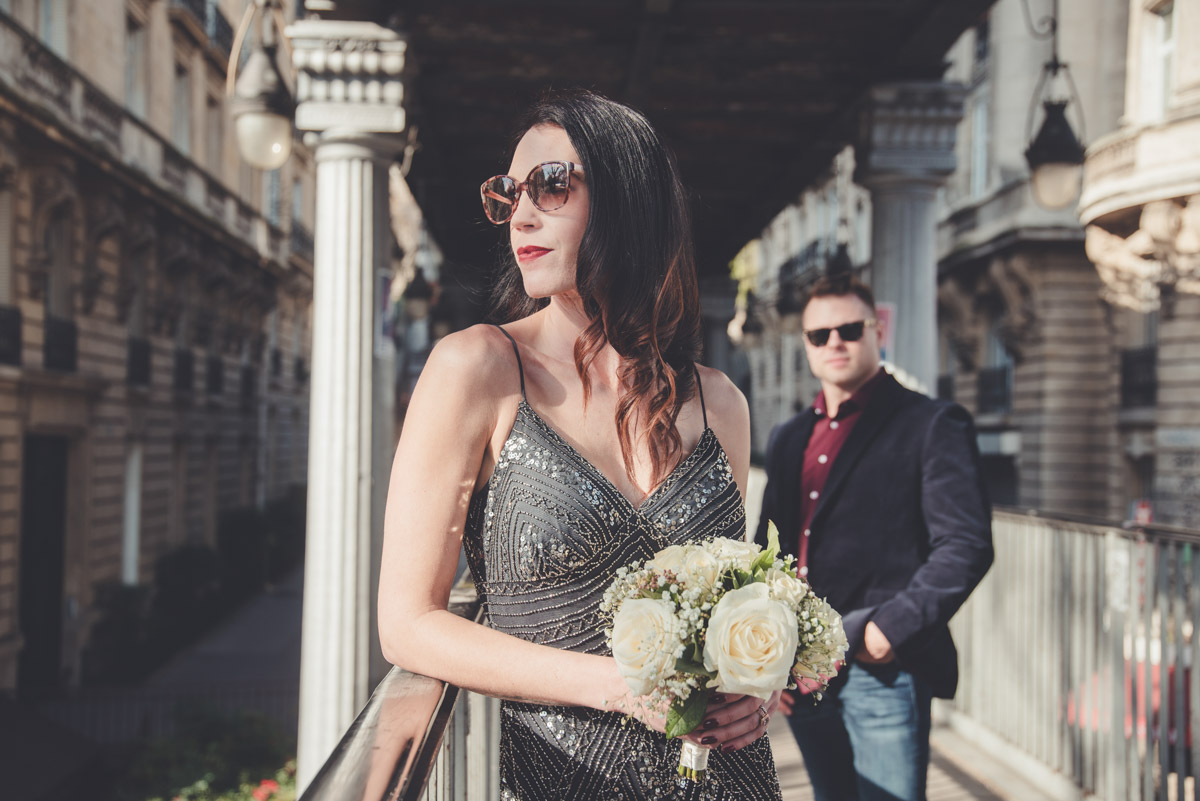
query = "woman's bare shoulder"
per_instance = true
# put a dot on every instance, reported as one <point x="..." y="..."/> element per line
<point x="724" y="401"/>
<point x="479" y="356"/>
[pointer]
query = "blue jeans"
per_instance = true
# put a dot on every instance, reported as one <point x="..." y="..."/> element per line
<point x="870" y="740"/>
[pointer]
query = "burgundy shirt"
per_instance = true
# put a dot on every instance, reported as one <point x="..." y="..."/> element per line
<point x="828" y="437"/>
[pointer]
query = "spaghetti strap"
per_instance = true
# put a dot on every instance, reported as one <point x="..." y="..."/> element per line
<point x="700" y="389"/>
<point x="520" y="367"/>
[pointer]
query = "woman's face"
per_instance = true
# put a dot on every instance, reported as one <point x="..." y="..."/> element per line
<point x="546" y="243"/>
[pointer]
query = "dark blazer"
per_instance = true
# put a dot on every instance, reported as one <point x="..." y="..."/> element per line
<point x="902" y="532"/>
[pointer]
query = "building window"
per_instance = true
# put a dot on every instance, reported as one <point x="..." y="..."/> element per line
<point x="214" y="135"/>
<point x="983" y="45"/>
<point x="271" y="192"/>
<point x="131" y="541"/>
<point x="995" y="376"/>
<point x="181" y="111"/>
<point x="135" y="67"/>
<point x="52" y="22"/>
<point x="1141" y="487"/>
<point x="980" y="136"/>
<point x="1158" y="62"/>
<point x="298" y="201"/>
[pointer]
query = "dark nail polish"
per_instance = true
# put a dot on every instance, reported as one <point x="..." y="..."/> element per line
<point x="709" y="740"/>
<point x="710" y="723"/>
<point x="717" y="698"/>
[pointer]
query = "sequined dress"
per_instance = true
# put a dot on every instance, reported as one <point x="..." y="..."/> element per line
<point x="544" y="539"/>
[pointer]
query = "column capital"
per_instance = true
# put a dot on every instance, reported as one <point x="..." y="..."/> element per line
<point x="907" y="133"/>
<point x="348" y="76"/>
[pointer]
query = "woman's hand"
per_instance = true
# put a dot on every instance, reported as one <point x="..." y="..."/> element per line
<point x="733" y="722"/>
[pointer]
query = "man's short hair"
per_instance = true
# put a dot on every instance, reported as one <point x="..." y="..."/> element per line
<point x="839" y="285"/>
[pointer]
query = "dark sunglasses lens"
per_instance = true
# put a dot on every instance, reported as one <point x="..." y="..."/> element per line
<point x="850" y="332"/>
<point x="499" y="198"/>
<point x="547" y="185"/>
<point x="818" y="336"/>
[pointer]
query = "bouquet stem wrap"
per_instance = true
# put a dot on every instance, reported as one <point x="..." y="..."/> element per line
<point x="693" y="761"/>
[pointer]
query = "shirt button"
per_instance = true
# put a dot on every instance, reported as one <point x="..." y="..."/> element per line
<point x="808" y="532"/>
<point x="822" y="459"/>
<point x="803" y="570"/>
<point x="834" y="424"/>
<point x="813" y="494"/>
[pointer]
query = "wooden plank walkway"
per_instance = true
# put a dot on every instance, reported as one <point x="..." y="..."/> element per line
<point x="947" y="781"/>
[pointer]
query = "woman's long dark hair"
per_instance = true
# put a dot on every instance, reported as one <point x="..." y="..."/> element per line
<point x="635" y="272"/>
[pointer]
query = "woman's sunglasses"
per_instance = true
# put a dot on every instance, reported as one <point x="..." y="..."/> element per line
<point x="548" y="187"/>
<point x="849" y="332"/>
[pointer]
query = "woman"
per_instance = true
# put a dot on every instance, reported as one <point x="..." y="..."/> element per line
<point x="510" y="453"/>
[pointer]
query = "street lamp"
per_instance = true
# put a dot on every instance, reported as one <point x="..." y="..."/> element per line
<point x="261" y="105"/>
<point x="1055" y="155"/>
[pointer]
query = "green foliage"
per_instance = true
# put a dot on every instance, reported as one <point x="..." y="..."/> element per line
<point x="214" y="757"/>
<point x="684" y="716"/>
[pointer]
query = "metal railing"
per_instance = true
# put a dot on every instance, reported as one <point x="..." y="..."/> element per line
<point x="1077" y="650"/>
<point x="418" y="739"/>
<point x="1139" y="377"/>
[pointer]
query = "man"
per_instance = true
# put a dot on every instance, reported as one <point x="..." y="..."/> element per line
<point x="877" y="492"/>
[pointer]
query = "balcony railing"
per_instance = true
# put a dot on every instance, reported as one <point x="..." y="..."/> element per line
<point x="418" y="739"/>
<point x="302" y="241"/>
<point x="995" y="390"/>
<point x="214" y="375"/>
<point x="185" y="371"/>
<point x="62" y="342"/>
<point x="1078" y="654"/>
<point x="1139" y="377"/>
<point x="138" y="368"/>
<point x="10" y="335"/>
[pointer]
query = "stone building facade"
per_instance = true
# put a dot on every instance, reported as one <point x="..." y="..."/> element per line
<point x="1069" y="334"/>
<point x="1141" y="211"/>
<point x="155" y="298"/>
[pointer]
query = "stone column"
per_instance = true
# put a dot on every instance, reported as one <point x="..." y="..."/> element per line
<point x="348" y="90"/>
<point x="905" y="153"/>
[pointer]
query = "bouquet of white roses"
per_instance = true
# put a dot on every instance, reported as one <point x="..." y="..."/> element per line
<point x="717" y="615"/>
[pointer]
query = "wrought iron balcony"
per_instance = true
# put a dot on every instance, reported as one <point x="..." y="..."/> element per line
<point x="302" y="241"/>
<point x="10" y="335"/>
<point x="185" y="371"/>
<point x="995" y="390"/>
<point x="945" y="387"/>
<point x="1139" y="377"/>
<point x="62" y="342"/>
<point x="138" y="367"/>
<point x="214" y="375"/>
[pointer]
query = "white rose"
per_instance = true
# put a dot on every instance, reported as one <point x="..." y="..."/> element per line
<point x="739" y="552"/>
<point x="669" y="558"/>
<point x="784" y="587"/>
<point x="751" y="642"/>
<point x="645" y="641"/>
<point x="701" y="568"/>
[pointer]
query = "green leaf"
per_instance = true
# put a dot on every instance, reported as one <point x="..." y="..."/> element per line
<point x="696" y="668"/>
<point x="772" y="539"/>
<point x="684" y="716"/>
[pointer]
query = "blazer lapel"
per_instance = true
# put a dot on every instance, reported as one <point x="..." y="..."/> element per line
<point x="882" y="406"/>
<point x="790" y="455"/>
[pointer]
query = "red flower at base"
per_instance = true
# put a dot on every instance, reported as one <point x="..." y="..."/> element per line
<point x="265" y="789"/>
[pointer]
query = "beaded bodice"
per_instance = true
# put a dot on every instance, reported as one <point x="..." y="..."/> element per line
<point x="544" y="539"/>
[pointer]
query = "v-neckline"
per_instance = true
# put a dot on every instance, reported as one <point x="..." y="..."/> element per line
<point x="650" y="496"/>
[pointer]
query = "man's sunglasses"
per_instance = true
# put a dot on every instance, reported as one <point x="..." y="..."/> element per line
<point x="548" y="187"/>
<point x="848" y="332"/>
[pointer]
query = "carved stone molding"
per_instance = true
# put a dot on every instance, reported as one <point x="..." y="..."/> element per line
<point x="956" y="312"/>
<point x="53" y="190"/>
<point x="105" y="218"/>
<point x="1144" y="270"/>
<point x="1010" y="279"/>
<point x="909" y="130"/>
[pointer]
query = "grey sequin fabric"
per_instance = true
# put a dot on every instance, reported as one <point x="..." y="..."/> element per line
<point x="544" y="539"/>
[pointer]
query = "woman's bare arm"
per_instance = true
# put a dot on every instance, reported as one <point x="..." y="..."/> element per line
<point x="729" y="418"/>
<point x="469" y="382"/>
